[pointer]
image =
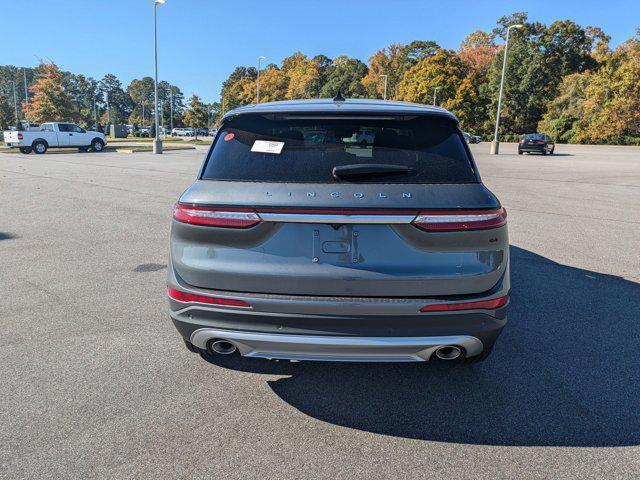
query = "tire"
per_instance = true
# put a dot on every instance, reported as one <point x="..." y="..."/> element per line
<point x="519" y="152"/>
<point x="477" y="358"/>
<point x="25" y="150"/>
<point x="97" y="145"/>
<point x="552" y="150"/>
<point x="40" y="147"/>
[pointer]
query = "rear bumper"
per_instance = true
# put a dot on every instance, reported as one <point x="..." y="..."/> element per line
<point x="337" y="328"/>
<point x="531" y="148"/>
<point x="335" y="348"/>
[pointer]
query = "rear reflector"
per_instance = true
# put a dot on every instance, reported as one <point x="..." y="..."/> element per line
<point x="187" y="297"/>
<point x="483" y="304"/>
<point x="440" y="221"/>
<point x="216" y="216"/>
<point x="20" y="137"/>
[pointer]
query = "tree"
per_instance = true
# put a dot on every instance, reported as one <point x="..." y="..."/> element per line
<point x="391" y="61"/>
<point x="325" y="66"/>
<point x="197" y="115"/>
<point x="7" y="114"/>
<point x="612" y="98"/>
<point x="346" y="76"/>
<point x="304" y="76"/>
<point x="142" y="93"/>
<point x="444" y="70"/>
<point x="117" y="99"/>
<point x="465" y="106"/>
<point x="418" y="50"/>
<point x="49" y="98"/>
<point x="274" y="84"/>
<point x="565" y="113"/>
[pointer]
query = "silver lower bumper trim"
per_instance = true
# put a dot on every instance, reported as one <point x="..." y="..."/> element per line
<point x="337" y="349"/>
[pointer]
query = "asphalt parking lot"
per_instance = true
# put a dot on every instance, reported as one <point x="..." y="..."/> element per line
<point x="96" y="383"/>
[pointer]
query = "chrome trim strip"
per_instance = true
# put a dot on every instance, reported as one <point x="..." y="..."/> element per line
<point x="334" y="348"/>
<point x="327" y="218"/>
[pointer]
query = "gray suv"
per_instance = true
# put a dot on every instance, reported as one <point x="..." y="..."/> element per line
<point x="305" y="239"/>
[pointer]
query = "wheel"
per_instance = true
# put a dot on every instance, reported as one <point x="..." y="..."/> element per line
<point x="83" y="149"/>
<point x="25" y="150"/>
<point x="519" y="152"/>
<point x="39" y="147"/>
<point x="97" y="145"/>
<point x="544" y="152"/>
<point x="477" y="358"/>
<point x="552" y="150"/>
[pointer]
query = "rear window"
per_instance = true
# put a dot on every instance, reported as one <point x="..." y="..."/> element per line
<point x="534" y="136"/>
<point x="263" y="148"/>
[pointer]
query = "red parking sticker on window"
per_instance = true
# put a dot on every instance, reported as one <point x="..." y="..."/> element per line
<point x="228" y="137"/>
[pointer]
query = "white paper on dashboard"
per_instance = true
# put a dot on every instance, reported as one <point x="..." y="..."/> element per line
<point x="265" y="146"/>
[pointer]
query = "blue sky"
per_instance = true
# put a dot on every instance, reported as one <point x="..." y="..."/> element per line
<point x="200" y="41"/>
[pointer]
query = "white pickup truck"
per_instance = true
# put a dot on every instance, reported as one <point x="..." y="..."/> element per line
<point x="52" y="135"/>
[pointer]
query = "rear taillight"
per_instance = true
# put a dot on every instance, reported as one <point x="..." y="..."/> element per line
<point x="187" y="297"/>
<point x="20" y="137"/>
<point x="522" y="141"/>
<point x="216" y="216"/>
<point x="440" y="221"/>
<point x="481" y="305"/>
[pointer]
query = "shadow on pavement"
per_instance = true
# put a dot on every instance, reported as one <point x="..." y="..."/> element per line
<point x="565" y="372"/>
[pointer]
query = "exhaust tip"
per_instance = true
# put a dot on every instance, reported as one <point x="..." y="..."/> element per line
<point x="222" y="347"/>
<point x="448" y="352"/>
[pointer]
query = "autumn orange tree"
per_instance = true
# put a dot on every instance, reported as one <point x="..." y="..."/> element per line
<point x="49" y="98"/>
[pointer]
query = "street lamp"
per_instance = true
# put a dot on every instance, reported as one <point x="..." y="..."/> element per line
<point x="260" y="58"/>
<point x="435" y="91"/>
<point x="495" y="145"/>
<point x="384" y="95"/>
<point x="157" y="143"/>
<point x="15" y="101"/>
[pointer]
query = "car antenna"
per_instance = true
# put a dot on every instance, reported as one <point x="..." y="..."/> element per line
<point x="338" y="98"/>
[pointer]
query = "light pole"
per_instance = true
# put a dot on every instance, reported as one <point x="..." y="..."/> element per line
<point x="260" y="58"/>
<point x="495" y="145"/>
<point x="157" y="143"/>
<point x="15" y="101"/>
<point x="171" y="108"/>
<point x="384" y="95"/>
<point x="435" y="91"/>
<point x="26" y="92"/>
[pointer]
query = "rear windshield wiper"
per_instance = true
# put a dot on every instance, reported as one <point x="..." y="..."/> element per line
<point x="364" y="169"/>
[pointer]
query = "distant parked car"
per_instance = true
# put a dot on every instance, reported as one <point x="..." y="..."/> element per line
<point x="202" y="131"/>
<point x="471" y="138"/>
<point x="536" y="142"/>
<point x="212" y="132"/>
<point x="182" y="132"/>
<point x="55" y="134"/>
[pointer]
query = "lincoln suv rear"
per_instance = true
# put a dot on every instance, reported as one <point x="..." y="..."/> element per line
<point x="343" y="230"/>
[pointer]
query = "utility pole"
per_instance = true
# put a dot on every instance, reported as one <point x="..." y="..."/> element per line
<point x="435" y="91"/>
<point x="495" y="145"/>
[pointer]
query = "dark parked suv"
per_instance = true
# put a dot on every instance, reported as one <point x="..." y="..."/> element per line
<point x="536" y="142"/>
<point x="297" y="241"/>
